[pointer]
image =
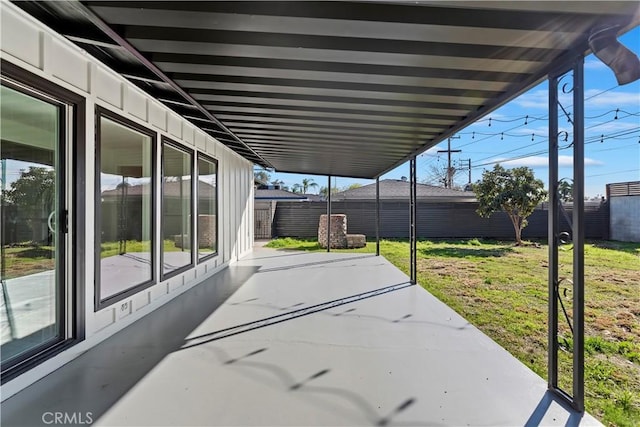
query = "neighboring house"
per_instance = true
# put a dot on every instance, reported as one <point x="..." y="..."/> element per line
<point x="450" y="207"/>
<point x="130" y="226"/>
<point x="313" y="197"/>
<point x="265" y="199"/>
<point x="395" y="189"/>
<point x="277" y="195"/>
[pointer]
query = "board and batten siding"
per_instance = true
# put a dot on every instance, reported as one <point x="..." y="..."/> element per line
<point x="30" y="45"/>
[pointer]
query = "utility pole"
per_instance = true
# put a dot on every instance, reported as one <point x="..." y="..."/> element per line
<point x="468" y="162"/>
<point x="449" y="182"/>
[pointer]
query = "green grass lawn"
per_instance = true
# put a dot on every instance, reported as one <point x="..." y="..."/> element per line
<point x="23" y="260"/>
<point x="108" y="249"/>
<point x="27" y="259"/>
<point x="502" y="289"/>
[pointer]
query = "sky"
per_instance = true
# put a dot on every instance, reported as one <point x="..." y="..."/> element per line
<point x="612" y="135"/>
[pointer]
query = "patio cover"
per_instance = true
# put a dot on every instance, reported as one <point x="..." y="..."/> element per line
<point x="334" y="88"/>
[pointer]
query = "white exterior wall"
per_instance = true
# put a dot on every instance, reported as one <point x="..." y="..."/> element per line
<point x="30" y="45"/>
<point x="624" y="221"/>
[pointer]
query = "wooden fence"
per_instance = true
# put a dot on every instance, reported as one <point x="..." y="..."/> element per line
<point x="434" y="220"/>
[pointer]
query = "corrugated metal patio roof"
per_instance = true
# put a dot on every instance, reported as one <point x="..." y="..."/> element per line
<point x="334" y="88"/>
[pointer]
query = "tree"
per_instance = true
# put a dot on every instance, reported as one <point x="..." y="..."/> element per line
<point x="353" y="186"/>
<point x="33" y="194"/>
<point x="323" y="191"/>
<point x="262" y="175"/>
<point x="297" y="188"/>
<point x="565" y="191"/>
<point x="280" y="183"/>
<point x="437" y="175"/>
<point x="515" y="191"/>
<point x="307" y="184"/>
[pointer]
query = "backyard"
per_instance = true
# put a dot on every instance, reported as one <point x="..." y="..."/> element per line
<point x="502" y="289"/>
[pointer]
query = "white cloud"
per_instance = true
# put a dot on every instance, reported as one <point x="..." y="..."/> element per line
<point x="539" y="130"/>
<point x="540" y="99"/>
<point x="432" y="152"/>
<point x="610" y="127"/>
<point x="594" y="64"/>
<point x="613" y="99"/>
<point x="543" y="161"/>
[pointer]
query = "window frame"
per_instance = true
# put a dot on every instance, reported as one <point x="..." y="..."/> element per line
<point x="72" y="308"/>
<point x="179" y="147"/>
<point x="100" y="303"/>
<point x="217" y="193"/>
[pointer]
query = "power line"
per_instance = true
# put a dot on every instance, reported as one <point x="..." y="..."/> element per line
<point x="624" y="147"/>
<point x="468" y="167"/>
<point x="591" y="138"/>
<point x="588" y="141"/>
<point x="527" y="119"/>
<point x="545" y="117"/>
<point x="612" y="173"/>
<point x="512" y="135"/>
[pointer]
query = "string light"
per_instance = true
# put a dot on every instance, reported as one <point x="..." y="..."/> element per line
<point x="590" y="140"/>
<point x="527" y="119"/>
<point x="502" y="134"/>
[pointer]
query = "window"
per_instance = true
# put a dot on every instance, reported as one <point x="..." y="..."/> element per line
<point x="177" y="199"/>
<point x="41" y="130"/>
<point x="207" y="207"/>
<point x="125" y="217"/>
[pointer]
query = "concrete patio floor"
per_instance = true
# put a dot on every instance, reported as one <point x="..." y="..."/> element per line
<point x="293" y="338"/>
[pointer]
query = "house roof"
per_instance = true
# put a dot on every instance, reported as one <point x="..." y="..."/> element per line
<point x="278" y="195"/>
<point x="398" y="189"/>
<point x="170" y="188"/>
<point x="334" y="88"/>
<point x="313" y="197"/>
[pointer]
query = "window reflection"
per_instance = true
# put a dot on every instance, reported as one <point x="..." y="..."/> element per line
<point x="176" y="208"/>
<point x="207" y="207"/>
<point x="126" y="208"/>
<point x="30" y="300"/>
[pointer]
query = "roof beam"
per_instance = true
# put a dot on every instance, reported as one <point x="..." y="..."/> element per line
<point x="371" y="45"/>
<point x="353" y="119"/>
<point x="118" y="39"/>
<point x="188" y="63"/>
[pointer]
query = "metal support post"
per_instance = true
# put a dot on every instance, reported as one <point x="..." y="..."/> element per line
<point x="553" y="232"/>
<point x="578" y="234"/>
<point x="377" y="216"/>
<point x="575" y="284"/>
<point x="329" y="213"/>
<point x="412" y="220"/>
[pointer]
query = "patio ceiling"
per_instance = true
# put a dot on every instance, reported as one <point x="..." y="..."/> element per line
<point x="334" y="88"/>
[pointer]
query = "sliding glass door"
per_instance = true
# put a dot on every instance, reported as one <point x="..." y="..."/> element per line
<point x="33" y="301"/>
